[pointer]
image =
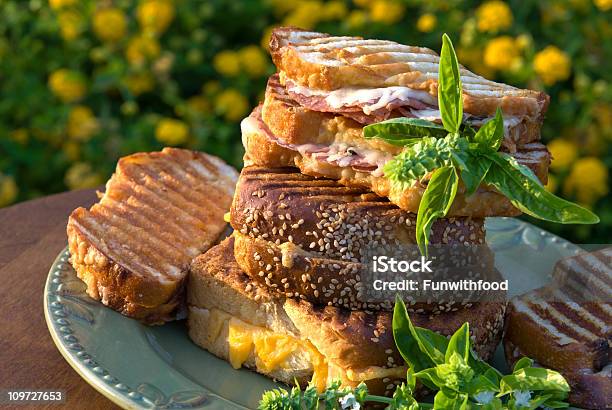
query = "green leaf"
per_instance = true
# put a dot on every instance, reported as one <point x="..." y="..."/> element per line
<point x="534" y="378"/>
<point x="491" y="134"/>
<point x="449" y="87"/>
<point x="473" y="175"/>
<point x="459" y="343"/>
<point x="435" y="203"/>
<point x="522" y="363"/>
<point x="416" y="161"/>
<point x="404" y="131"/>
<point x="443" y="401"/>
<point x="421" y="348"/>
<point x="525" y="192"/>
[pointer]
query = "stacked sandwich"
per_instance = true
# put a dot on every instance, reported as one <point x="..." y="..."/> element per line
<point x="285" y="294"/>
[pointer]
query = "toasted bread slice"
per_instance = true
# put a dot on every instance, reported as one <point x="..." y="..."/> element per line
<point x="319" y="61"/>
<point x="566" y="327"/>
<point x="297" y="124"/>
<point x="332" y="343"/>
<point x="357" y="167"/>
<point x="159" y="211"/>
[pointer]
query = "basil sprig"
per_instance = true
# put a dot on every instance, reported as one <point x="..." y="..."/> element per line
<point x="464" y="381"/>
<point x="449" y="367"/>
<point x="473" y="156"/>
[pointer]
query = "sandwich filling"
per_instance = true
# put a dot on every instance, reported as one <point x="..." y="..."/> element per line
<point x="365" y="159"/>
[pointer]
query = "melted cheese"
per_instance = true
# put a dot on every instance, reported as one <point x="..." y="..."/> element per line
<point x="271" y="350"/>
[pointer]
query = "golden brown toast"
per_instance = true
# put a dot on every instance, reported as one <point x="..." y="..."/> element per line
<point x="362" y="167"/>
<point x="566" y="326"/>
<point x="319" y="61"/>
<point x="351" y="346"/>
<point x="159" y="210"/>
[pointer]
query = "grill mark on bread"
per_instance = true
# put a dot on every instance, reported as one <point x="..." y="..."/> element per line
<point x="159" y="211"/>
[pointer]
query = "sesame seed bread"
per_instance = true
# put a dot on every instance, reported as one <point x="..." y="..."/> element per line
<point x="263" y="148"/>
<point x="351" y="346"/>
<point x="322" y="62"/>
<point x="566" y="326"/>
<point x="131" y="257"/>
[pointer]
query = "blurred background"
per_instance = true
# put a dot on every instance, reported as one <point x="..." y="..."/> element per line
<point x="84" y="82"/>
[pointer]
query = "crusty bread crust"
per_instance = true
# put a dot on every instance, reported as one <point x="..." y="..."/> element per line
<point x="362" y="66"/>
<point x="351" y="342"/>
<point x="261" y="150"/>
<point x="131" y="259"/>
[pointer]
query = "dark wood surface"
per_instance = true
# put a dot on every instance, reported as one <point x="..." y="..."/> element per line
<point x="31" y="236"/>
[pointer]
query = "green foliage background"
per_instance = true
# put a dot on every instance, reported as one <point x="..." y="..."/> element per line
<point x="127" y="96"/>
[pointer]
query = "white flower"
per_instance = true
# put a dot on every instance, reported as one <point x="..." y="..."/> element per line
<point x="349" y="402"/>
<point x="522" y="398"/>
<point x="484" y="397"/>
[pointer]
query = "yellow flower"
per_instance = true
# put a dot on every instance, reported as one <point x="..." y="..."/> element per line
<point x="199" y="104"/>
<point x="141" y="49"/>
<point x="232" y="104"/>
<point x="334" y="10"/>
<point x="109" y="24"/>
<point x="68" y="85"/>
<point x="81" y="175"/>
<point x="524" y="41"/>
<point x="71" y="24"/>
<point x="603" y="5"/>
<point x="357" y="19"/>
<point x="253" y="60"/>
<point x="474" y="60"/>
<point x="139" y="83"/>
<point x="494" y="16"/>
<point x="82" y="123"/>
<point x="171" y="131"/>
<point x="552" y="65"/>
<point x="227" y="63"/>
<point x="501" y="52"/>
<point x="20" y="135"/>
<point x="387" y="11"/>
<point x="8" y="190"/>
<point x="306" y="15"/>
<point x="58" y="4"/>
<point x="563" y="153"/>
<point x="155" y="15"/>
<point x="211" y="88"/>
<point x="588" y="180"/>
<point x="427" y="22"/>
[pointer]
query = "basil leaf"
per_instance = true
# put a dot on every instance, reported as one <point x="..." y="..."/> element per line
<point x="410" y="379"/>
<point x="534" y="378"/>
<point x="421" y="348"/>
<point x="404" y="131"/>
<point x="475" y="173"/>
<point x="449" y="87"/>
<point x="491" y="134"/>
<point x="522" y="363"/>
<point x="429" y="377"/>
<point x="556" y="404"/>
<point x="405" y="341"/>
<point x="443" y="401"/>
<point x="525" y="192"/>
<point x="416" y="161"/>
<point x="459" y="343"/>
<point x="435" y="203"/>
<point x="480" y="384"/>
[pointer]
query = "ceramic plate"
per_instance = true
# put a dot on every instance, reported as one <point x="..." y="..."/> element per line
<point x="137" y="366"/>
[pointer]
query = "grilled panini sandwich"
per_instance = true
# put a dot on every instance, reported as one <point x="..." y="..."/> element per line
<point x="566" y="326"/>
<point x="291" y="339"/>
<point x="328" y="88"/>
<point x="309" y="238"/>
<point x="159" y="211"/>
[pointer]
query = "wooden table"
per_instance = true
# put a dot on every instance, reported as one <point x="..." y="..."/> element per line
<point x="31" y="236"/>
